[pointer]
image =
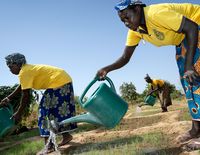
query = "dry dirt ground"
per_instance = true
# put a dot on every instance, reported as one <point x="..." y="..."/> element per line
<point x="133" y="124"/>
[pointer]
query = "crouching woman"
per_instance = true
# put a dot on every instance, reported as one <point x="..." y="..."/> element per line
<point x="57" y="102"/>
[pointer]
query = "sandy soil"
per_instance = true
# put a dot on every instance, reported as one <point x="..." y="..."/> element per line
<point x="169" y="123"/>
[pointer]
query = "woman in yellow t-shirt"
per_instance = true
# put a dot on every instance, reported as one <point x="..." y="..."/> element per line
<point x="161" y="90"/>
<point x="167" y="24"/>
<point x="57" y="102"/>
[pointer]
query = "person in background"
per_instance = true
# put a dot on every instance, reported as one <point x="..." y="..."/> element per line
<point x="160" y="89"/>
<point x="57" y="102"/>
<point x="162" y="25"/>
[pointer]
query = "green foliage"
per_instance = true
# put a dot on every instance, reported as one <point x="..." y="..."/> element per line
<point x="128" y="92"/>
<point x="79" y="109"/>
<point x="6" y="90"/>
<point x="28" y="147"/>
<point x="22" y="144"/>
<point x="141" y="97"/>
<point x="175" y="94"/>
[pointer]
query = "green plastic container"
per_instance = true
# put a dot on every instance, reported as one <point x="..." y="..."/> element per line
<point x="6" y="124"/>
<point x="150" y="100"/>
<point x="104" y="106"/>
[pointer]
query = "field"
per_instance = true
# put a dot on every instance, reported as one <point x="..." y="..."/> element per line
<point x="142" y="131"/>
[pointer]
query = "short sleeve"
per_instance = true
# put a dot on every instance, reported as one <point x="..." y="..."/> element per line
<point x="133" y="38"/>
<point x="169" y="19"/>
<point x="26" y="81"/>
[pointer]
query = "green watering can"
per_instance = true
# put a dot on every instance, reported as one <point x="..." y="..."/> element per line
<point x="104" y="107"/>
<point x="6" y="124"/>
<point x="150" y="100"/>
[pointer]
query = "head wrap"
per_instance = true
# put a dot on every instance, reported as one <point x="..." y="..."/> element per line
<point x="15" y="58"/>
<point x="123" y="4"/>
<point x="147" y="77"/>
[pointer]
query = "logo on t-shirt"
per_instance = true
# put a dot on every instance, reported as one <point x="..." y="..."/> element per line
<point x="159" y="35"/>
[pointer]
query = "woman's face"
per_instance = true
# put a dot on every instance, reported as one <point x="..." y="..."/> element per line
<point x="131" y="17"/>
<point x="14" y="68"/>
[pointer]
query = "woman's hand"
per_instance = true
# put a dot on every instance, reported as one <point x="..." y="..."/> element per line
<point x="16" y="116"/>
<point x="4" y="102"/>
<point x="191" y="31"/>
<point x="102" y="73"/>
<point x="192" y="77"/>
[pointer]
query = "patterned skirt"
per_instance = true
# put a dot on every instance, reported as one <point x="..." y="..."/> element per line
<point x="164" y="96"/>
<point x="192" y="92"/>
<point x="56" y="104"/>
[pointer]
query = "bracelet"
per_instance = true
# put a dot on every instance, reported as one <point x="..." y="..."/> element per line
<point x="8" y="100"/>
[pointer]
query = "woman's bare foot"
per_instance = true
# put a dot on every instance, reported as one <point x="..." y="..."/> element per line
<point x="194" y="144"/>
<point x="66" y="139"/>
<point x="50" y="148"/>
<point x="185" y="138"/>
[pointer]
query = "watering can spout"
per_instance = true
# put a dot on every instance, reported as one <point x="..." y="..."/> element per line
<point x="87" y="117"/>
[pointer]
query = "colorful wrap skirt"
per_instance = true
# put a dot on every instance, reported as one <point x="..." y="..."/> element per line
<point x="192" y="92"/>
<point x="164" y="96"/>
<point x="57" y="104"/>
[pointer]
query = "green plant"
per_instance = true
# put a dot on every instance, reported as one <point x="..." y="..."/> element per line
<point x="78" y="107"/>
<point x="26" y="148"/>
<point x="15" y="102"/>
<point x="6" y="90"/>
<point x="128" y="92"/>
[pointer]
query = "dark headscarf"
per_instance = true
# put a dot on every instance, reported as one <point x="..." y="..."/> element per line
<point x="15" y="58"/>
<point x="147" y="77"/>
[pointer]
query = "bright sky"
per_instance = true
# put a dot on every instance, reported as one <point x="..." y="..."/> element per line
<point x="80" y="37"/>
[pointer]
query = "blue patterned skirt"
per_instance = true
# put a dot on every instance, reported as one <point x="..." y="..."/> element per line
<point x="192" y="92"/>
<point x="57" y="104"/>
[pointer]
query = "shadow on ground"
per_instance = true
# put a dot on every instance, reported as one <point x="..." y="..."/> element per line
<point x="84" y="148"/>
<point x="165" y="151"/>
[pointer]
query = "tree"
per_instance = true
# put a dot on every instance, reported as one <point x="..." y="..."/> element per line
<point x="175" y="94"/>
<point x="79" y="109"/>
<point x="6" y="90"/>
<point x="128" y="92"/>
<point x="141" y="97"/>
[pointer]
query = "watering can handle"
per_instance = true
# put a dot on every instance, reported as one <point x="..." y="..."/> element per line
<point x="90" y="85"/>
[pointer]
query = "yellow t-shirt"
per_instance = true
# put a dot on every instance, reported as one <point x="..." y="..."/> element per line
<point x="163" y="21"/>
<point x="156" y="83"/>
<point x="42" y="77"/>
